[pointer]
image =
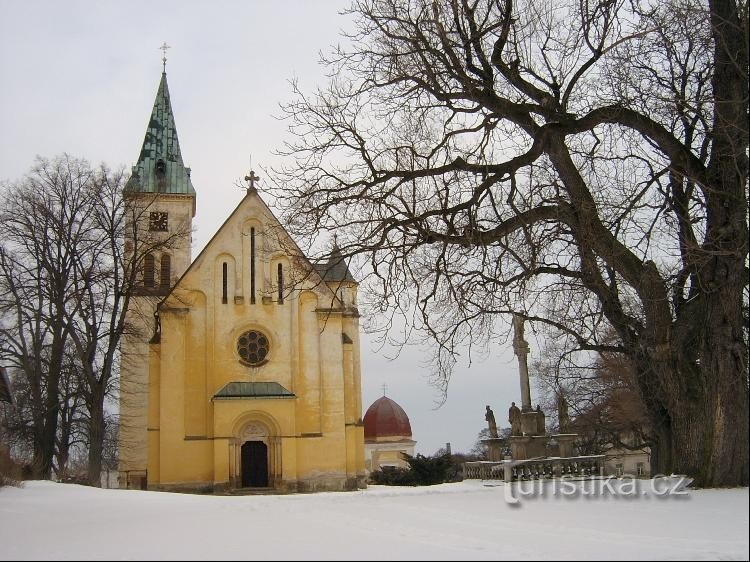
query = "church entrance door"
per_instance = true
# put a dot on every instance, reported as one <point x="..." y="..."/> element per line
<point x="254" y="464"/>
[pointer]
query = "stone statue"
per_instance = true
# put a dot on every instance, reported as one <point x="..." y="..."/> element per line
<point x="514" y="417"/>
<point x="490" y="417"/>
<point x="541" y="426"/>
<point x="563" y="416"/>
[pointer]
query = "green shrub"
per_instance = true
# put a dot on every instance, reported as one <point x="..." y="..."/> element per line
<point x="422" y="471"/>
<point x="393" y="476"/>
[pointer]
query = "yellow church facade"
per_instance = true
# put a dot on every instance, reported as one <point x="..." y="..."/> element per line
<point x="244" y="371"/>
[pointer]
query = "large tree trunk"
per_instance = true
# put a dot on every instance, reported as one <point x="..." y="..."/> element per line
<point x="662" y="455"/>
<point x="63" y="443"/>
<point x="724" y="362"/>
<point x="45" y="435"/>
<point x="697" y="394"/>
<point x="96" y="436"/>
<point x="698" y="399"/>
<point x="48" y="434"/>
<point x="710" y="437"/>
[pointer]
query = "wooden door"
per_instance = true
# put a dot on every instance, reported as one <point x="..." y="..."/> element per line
<point x="254" y="464"/>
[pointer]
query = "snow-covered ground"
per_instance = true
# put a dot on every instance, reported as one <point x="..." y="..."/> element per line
<point x="44" y="520"/>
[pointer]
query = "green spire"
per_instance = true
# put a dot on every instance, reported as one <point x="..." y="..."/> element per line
<point x="160" y="168"/>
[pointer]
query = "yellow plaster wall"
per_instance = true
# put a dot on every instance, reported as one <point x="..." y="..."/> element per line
<point x="317" y="436"/>
<point x="135" y="437"/>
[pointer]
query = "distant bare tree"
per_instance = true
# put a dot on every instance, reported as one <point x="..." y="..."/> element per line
<point x="601" y="399"/>
<point x="582" y="163"/>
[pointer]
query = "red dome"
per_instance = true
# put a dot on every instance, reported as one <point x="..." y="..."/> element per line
<point x="385" y="418"/>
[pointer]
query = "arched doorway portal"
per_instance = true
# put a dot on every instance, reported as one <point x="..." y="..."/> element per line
<point x="257" y="454"/>
<point x="254" y="464"/>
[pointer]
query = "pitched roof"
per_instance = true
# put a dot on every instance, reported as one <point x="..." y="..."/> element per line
<point x="160" y="168"/>
<point x="335" y="269"/>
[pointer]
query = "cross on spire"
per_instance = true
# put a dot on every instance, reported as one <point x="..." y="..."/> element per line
<point x="385" y="387"/>
<point x="163" y="49"/>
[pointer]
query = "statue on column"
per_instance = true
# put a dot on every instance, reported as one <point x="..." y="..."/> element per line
<point x="490" y="417"/>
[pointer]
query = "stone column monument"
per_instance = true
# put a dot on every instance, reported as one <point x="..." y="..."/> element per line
<point x="529" y="440"/>
<point x="528" y="434"/>
<point x="521" y="349"/>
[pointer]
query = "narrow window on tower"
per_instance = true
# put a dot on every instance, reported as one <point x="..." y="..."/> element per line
<point x="160" y="170"/>
<point x="166" y="271"/>
<point x="148" y="271"/>
<point x="252" y="266"/>
<point x="224" y="283"/>
<point x="281" y="283"/>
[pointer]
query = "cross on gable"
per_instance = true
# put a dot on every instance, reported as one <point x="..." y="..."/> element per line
<point x="251" y="179"/>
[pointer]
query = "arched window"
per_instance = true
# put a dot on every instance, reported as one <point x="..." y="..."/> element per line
<point x="166" y="271"/>
<point x="280" y="274"/>
<point x="252" y="266"/>
<point x="224" y="283"/>
<point x="149" y="271"/>
<point x="160" y="171"/>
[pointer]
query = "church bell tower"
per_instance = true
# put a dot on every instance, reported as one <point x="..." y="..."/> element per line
<point x="160" y="206"/>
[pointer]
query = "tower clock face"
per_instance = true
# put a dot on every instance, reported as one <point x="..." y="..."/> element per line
<point x="158" y="221"/>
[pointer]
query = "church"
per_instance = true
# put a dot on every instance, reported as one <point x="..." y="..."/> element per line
<point x="240" y="369"/>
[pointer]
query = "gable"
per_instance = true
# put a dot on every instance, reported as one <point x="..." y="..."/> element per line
<point x="252" y="224"/>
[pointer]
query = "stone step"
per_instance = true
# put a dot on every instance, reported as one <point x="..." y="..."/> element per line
<point x="252" y="492"/>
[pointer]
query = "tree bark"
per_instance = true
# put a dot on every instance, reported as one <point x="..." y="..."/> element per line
<point x="662" y="456"/>
<point x="96" y="437"/>
<point x="48" y="434"/>
<point x="697" y="396"/>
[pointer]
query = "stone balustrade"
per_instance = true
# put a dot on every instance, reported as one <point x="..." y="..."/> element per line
<point x="551" y="467"/>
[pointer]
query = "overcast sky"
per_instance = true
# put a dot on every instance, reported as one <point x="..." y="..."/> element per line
<point x="80" y="77"/>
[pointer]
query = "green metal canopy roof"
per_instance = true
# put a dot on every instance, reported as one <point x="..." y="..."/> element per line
<point x="253" y="390"/>
<point x="160" y="168"/>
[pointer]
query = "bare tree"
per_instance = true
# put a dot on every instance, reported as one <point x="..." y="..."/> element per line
<point x="582" y="163"/>
<point x="66" y="280"/>
<point x="107" y="275"/>
<point x="43" y="224"/>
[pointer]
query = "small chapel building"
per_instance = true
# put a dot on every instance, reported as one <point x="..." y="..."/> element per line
<point x="387" y="435"/>
<point x="242" y="367"/>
